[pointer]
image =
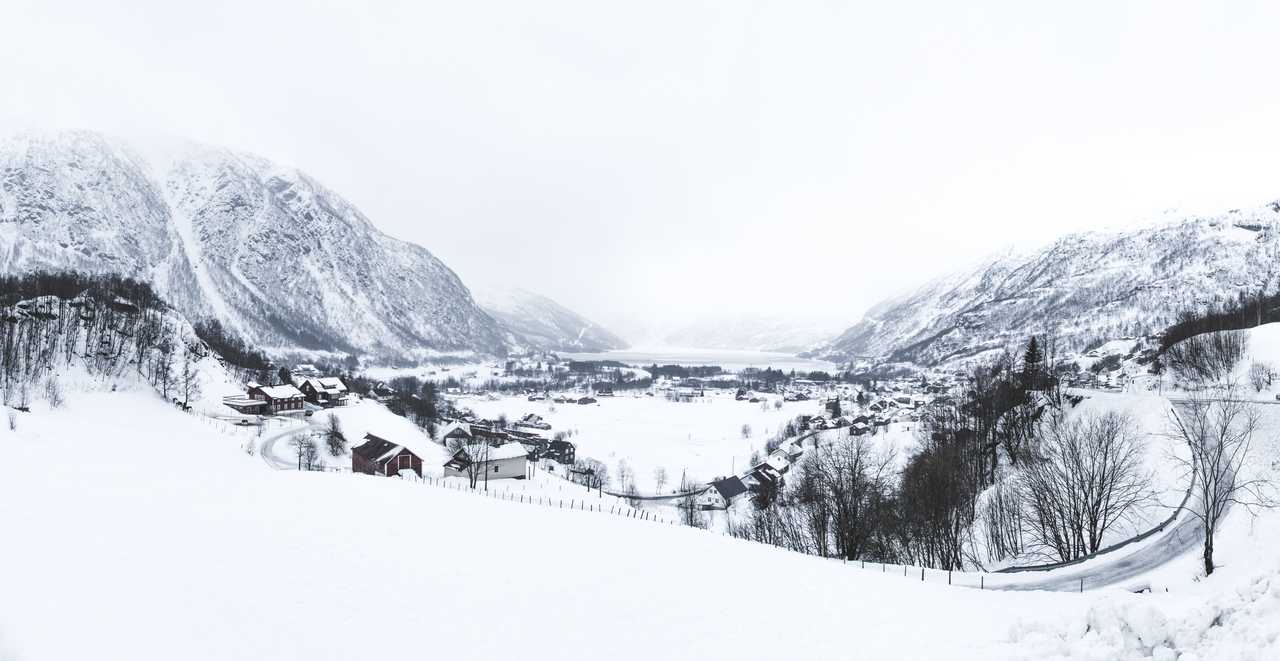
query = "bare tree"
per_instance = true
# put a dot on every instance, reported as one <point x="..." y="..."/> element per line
<point x="689" y="511"/>
<point x="1219" y="434"/>
<point x="188" y="379"/>
<point x="1208" y="357"/>
<point x="1261" y="375"/>
<point x="13" y="421"/>
<point x="1088" y="475"/>
<point x="660" y="477"/>
<point x="475" y="460"/>
<point x="162" y="367"/>
<point x="1002" y="521"/>
<point x="335" y="440"/>
<point x="304" y="448"/>
<point x="53" y="392"/>
<point x="746" y="431"/>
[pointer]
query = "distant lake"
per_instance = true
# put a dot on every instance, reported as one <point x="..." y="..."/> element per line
<point x="730" y="359"/>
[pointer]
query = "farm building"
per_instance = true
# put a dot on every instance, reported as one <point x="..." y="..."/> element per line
<point x="325" y="391"/>
<point x="507" y="461"/>
<point x="378" y="456"/>
<point x="264" y="400"/>
<point x="562" y="451"/>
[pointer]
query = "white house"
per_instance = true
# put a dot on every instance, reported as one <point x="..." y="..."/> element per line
<point x="720" y="493"/>
<point x="507" y="461"/>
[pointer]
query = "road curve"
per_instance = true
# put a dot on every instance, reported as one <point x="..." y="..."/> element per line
<point x="266" y="449"/>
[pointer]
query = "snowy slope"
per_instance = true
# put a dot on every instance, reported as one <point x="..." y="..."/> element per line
<point x="544" y="323"/>
<point x="266" y="249"/>
<point x="163" y="538"/>
<point x="1081" y="287"/>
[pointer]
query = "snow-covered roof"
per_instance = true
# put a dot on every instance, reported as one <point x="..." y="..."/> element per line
<point x="778" y="462"/>
<point x="391" y="452"/>
<point x="326" y="384"/>
<point x="280" y="392"/>
<point x="333" y="382"/>
<point x="504" y="451"/>
<point x="375" y="448"/>
<point x="463" y="427"/>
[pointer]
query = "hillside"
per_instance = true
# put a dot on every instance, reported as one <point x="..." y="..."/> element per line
<point x="544" y="323"/>
<point x="1081" y="288"/>
<point x="266" y="249"/>
<point x="223" y="558"/>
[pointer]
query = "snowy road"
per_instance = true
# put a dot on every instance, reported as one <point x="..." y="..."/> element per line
<point x="267" y="448"/>
<point x="1111" y="570"/>
<point x="1181" y="538"/>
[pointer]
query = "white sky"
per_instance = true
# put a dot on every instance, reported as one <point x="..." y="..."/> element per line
<point x="646" y="160"/>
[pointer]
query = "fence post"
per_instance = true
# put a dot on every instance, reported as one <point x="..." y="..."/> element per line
<point x="948" y="577"/>
<point x="1081" y="584"/>
<point x="922" y="574"/>
<point x="904" y="570"/>
<point x="982" y="582"/>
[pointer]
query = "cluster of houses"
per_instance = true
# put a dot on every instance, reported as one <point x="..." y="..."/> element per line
<point x="529" y="432"/>
<point x="320" y="391"/>
<point x="720" y="493"/>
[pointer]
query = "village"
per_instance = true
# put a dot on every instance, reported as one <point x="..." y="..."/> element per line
<point x="700" y="437"/>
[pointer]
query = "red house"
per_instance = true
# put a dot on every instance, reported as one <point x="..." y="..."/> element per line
<point x="278" y="398"/>
<point x="378" y="456"/>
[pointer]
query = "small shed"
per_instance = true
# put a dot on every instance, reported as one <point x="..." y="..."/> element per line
<point x="378" y="456"/>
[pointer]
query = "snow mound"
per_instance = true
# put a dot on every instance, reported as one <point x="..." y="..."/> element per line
<point x="1242" y="624"/>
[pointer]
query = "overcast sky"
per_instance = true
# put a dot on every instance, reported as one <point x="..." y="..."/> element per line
<point x="645" y="160"/>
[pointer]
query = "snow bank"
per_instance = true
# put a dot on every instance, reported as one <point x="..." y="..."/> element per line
<point x="1242" y="624"/>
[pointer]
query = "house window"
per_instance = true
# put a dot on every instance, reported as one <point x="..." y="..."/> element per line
<point x="495" y="469"/>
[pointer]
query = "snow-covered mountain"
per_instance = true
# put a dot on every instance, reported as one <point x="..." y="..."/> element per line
<point x="543" y="322"/>
<point x="266" y="249"/>
<point x="1081" y="288"/>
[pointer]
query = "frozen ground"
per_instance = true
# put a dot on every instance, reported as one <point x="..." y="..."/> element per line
<point x="154" y="538"/>
<point x="153" y="535"/>
<point x="703" y="437"/>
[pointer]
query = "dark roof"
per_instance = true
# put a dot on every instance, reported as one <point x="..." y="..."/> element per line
<point x="729" y="487"/>
<point x="373" y="447"/>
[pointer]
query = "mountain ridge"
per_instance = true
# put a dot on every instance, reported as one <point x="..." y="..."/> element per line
<point x="1079" y="288"/>
<point x="267" y="249"/>
<point x="543" y="322"/>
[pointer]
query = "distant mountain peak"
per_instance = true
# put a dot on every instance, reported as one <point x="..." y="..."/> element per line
<point x="543" y="322"/>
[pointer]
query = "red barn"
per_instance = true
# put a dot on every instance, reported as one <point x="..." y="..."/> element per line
<point x="378" y="456"/>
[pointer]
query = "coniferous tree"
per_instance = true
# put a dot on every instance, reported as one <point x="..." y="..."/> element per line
<point x="1032" y="365"/>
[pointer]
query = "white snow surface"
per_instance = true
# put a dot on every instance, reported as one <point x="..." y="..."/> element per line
<point x="151" y="536"/>
<point x="703" y="437"/>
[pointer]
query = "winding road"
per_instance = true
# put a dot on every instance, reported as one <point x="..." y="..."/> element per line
<point x="266" y="448"/>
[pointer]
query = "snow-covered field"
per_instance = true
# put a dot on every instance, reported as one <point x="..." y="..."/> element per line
<point x="703" y="437"/>
<point x="154" y="536"/>
<point x="143" y="535"/>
